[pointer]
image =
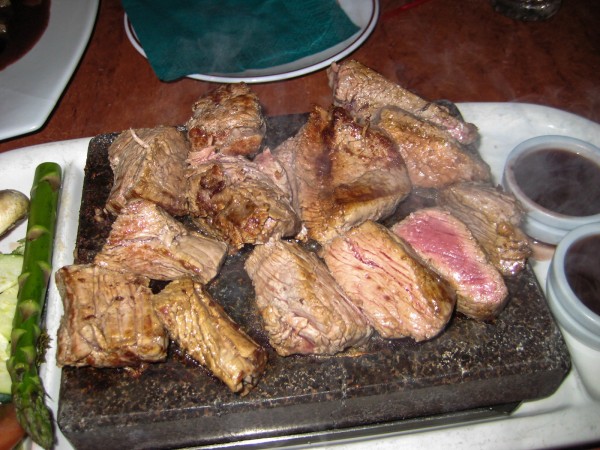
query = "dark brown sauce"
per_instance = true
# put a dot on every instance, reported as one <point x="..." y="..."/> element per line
<point x="582" y="268"/>
<point x="24" y="23"/>
<point x="560" y="181"/>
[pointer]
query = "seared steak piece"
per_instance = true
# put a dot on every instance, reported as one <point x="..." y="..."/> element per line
<point x="447" y="246"/>
<point x="239" y="203"/>
<point x="203" y="329"/>
<point x="363" y="91"/>
<point x="342" y="173"/>
<point x="432" y="158"/>
<point x="303" y="309"/>
<point x="146" y="240"/>
<point x="400" y="296"/>
<point x="229" y="119"/>
<point x="150" y="164"/>
<point x="494" y="218"/>
<point x="271" y="166"/>
<point x="108" y="319"/>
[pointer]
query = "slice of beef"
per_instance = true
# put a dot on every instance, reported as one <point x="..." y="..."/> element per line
<point x="303" y="309"/>
<point x="447" y="246"/>
<point x="272" y="167"/>
<point x="400" y="296"/>
<point x="229" y="119"/>
<point x="149" y="163"/>
<point x="203" y="329"/>
<point x="342" y="173"/>
<point x="363" y="91"/>
<point x="494" y="218"/>
<point x="238" y="202"/>
<point x="433" y="159"/>
<point x="146" y="240"/>
<point x="108" y="319"/>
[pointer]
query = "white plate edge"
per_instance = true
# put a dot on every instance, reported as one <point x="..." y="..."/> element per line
<point x="32" y="108"/>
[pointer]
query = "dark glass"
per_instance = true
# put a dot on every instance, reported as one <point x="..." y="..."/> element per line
<point x="527" y="10"/>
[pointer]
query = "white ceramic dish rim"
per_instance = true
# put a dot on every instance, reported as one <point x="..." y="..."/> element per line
<point x="31" y="86"/>
<point x="567" y="417"/>
<point x="577" y="318"/>
<point x="541" y="220"/>
<point x="364" y="13"/>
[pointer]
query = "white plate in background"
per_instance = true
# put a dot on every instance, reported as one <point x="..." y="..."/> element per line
<point x="364" y="14"/>
<point x="31" y="86"/>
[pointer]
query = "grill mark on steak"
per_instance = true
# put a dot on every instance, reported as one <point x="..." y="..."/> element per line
<point x="341" y="173"/>
<point x="108" y="319"/>
<point x="203" y="329"/>
<point x="233" y="199"/>
<point x="380" y="274"/>
<point x="304" y="311"/>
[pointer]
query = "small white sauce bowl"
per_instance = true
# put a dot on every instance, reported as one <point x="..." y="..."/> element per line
<point x="579" y="324"/>
<point x="540" y="223"/>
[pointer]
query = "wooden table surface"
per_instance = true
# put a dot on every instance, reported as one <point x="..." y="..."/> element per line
<point x="457" y="50"/>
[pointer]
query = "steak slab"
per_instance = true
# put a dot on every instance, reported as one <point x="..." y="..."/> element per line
<point x="400" y="296"/>
<point x="494" y="217"/>
<point x="341" y="173"/>
<point x="449" y="248"/>
<point x="145" y="240"/>
<point x="150" y="164"/>
<point x="364" y="92"/>
<point x="109" y="320"/>
<point x="202" y="328"/>
<point x="303" y="309"/>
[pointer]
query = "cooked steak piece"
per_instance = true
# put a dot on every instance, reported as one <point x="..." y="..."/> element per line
<point x="146" y="240"/>
<point x="363" y="91"/>
<point x="203" y="329"/>
<point x="342" y="173"/>
<point x="150" y="164"/>
<point x="229" y="119"/>
<point x="432" y="158"/>
<point x="271" y="166"/>
<point x="494" y="218"/>
<point x="303" y="309"/>
<point x="238" y="202"/>
<point x="447" y="246"/>
<point x="400" y="296"/>
<point x="108" y="319"/>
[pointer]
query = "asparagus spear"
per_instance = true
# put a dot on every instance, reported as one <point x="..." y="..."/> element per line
<point x="28" y="394"/>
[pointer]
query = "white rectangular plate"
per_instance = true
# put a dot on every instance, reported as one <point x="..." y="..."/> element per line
<point x="31" y="86"/>
<point x="568" y="417"/>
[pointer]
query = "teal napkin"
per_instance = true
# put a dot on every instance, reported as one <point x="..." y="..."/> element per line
<point x="184" y="37"/>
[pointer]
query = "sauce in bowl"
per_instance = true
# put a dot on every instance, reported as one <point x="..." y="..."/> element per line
<point x="22" y="24"/>
<point x="559" y="180"/>
<point x="582" y="269"/>
<point x="556" y="179"/>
